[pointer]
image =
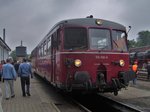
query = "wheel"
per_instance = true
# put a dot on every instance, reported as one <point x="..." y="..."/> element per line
<point x="88" y="84"/>
<point x="68" y="85"/>
<point x="115" y="93"/>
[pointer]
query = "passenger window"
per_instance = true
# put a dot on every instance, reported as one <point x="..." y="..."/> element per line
<point x="44" y="49"/>
<point x="49" y="46"/>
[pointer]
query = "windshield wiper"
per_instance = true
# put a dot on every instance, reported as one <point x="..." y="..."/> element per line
<point x="115" y="43"/>
<point x="117" y="46"/>
<point x="78" y="48"/>
<point x="82" y="47"/>
<point x="104" y="47"/>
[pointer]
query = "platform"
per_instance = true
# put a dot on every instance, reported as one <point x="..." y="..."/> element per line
<point x="137" y="96"/>
<point x="42" y="100"/>
<point x="39" y="101"/>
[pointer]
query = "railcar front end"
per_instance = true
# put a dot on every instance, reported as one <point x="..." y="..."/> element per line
<point x="95" y="58"/>
<point x="95" y="71"/>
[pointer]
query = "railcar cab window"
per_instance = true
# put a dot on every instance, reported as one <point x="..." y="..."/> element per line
<point x="99" y="39"/>
<point x="119" y="40"/>
<point x="75" y="39"/>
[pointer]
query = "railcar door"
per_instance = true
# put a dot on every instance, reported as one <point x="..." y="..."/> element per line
<point x="53" y="57"/>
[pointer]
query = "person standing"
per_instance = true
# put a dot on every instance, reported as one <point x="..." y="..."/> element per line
<point x="1" y="71"/>
<point x="148" y="70"/>
<point x="9" y="75"/>
<point x="1" y="65"/>
<point x="1" y="97"/>
<point x="135" y="70"/>
<point x="16" y="65"/>
<point x="25" y="72"/>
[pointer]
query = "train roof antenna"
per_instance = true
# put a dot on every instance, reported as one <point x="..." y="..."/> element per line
<point x="129" y="29"/>
<point x="91" y="16"/>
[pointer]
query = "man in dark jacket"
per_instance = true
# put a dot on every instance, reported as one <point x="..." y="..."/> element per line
<point x="25" y="73"/>
<point x="16" y="65"/>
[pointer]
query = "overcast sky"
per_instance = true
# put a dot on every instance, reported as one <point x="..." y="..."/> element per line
<point x="30" y="20"/>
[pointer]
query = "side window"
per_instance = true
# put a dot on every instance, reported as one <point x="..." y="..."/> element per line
<point x="44" y="48"/>
<point x="49" y="46"/>
<point x="40" y="51"/>
<point x="56" y="39"/>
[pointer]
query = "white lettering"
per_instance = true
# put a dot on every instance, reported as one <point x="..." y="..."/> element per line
<point x="101" y="57"/>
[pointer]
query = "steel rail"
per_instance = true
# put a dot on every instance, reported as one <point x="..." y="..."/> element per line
<point x="122" y="107"/>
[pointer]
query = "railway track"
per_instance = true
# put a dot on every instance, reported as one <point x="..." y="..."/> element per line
<point x="119" y="106"/>
<point x="87" y="103"/>
<point x="60" y="100"/>
<point x="97" y="103"/>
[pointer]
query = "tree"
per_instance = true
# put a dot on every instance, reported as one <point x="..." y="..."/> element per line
<point x="13" y="54"/>
<point x="131" y="43"/>
<point x="143" y="38"/>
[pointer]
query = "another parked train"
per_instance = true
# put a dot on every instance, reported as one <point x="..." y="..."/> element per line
<point x="141" y="57"/>
<point x="84" y="54"/>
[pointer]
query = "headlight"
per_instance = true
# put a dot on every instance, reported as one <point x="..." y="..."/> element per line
<point x="77" y="63"/>
<point x="98" y="22"/>
<point x="122" y="63"/>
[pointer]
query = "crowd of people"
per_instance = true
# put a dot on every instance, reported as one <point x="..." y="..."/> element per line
<point x="10" y="70"/>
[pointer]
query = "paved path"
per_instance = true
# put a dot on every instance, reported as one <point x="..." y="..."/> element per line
<point x="39" y="101"/>
<point x="136" y="95"/>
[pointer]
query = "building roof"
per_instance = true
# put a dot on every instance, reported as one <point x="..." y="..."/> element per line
<point x="2" y="42"/>
<point x="140" y="49"/>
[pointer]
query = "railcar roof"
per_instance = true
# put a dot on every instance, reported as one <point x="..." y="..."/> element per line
<point x="91" y="22"/>
<point x="87" y="22"/>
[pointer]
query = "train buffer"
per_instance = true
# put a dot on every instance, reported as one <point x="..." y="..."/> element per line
<point x="39" y="101"/>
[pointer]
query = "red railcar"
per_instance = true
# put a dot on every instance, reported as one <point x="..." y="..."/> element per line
<point x="85" y="54"/>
